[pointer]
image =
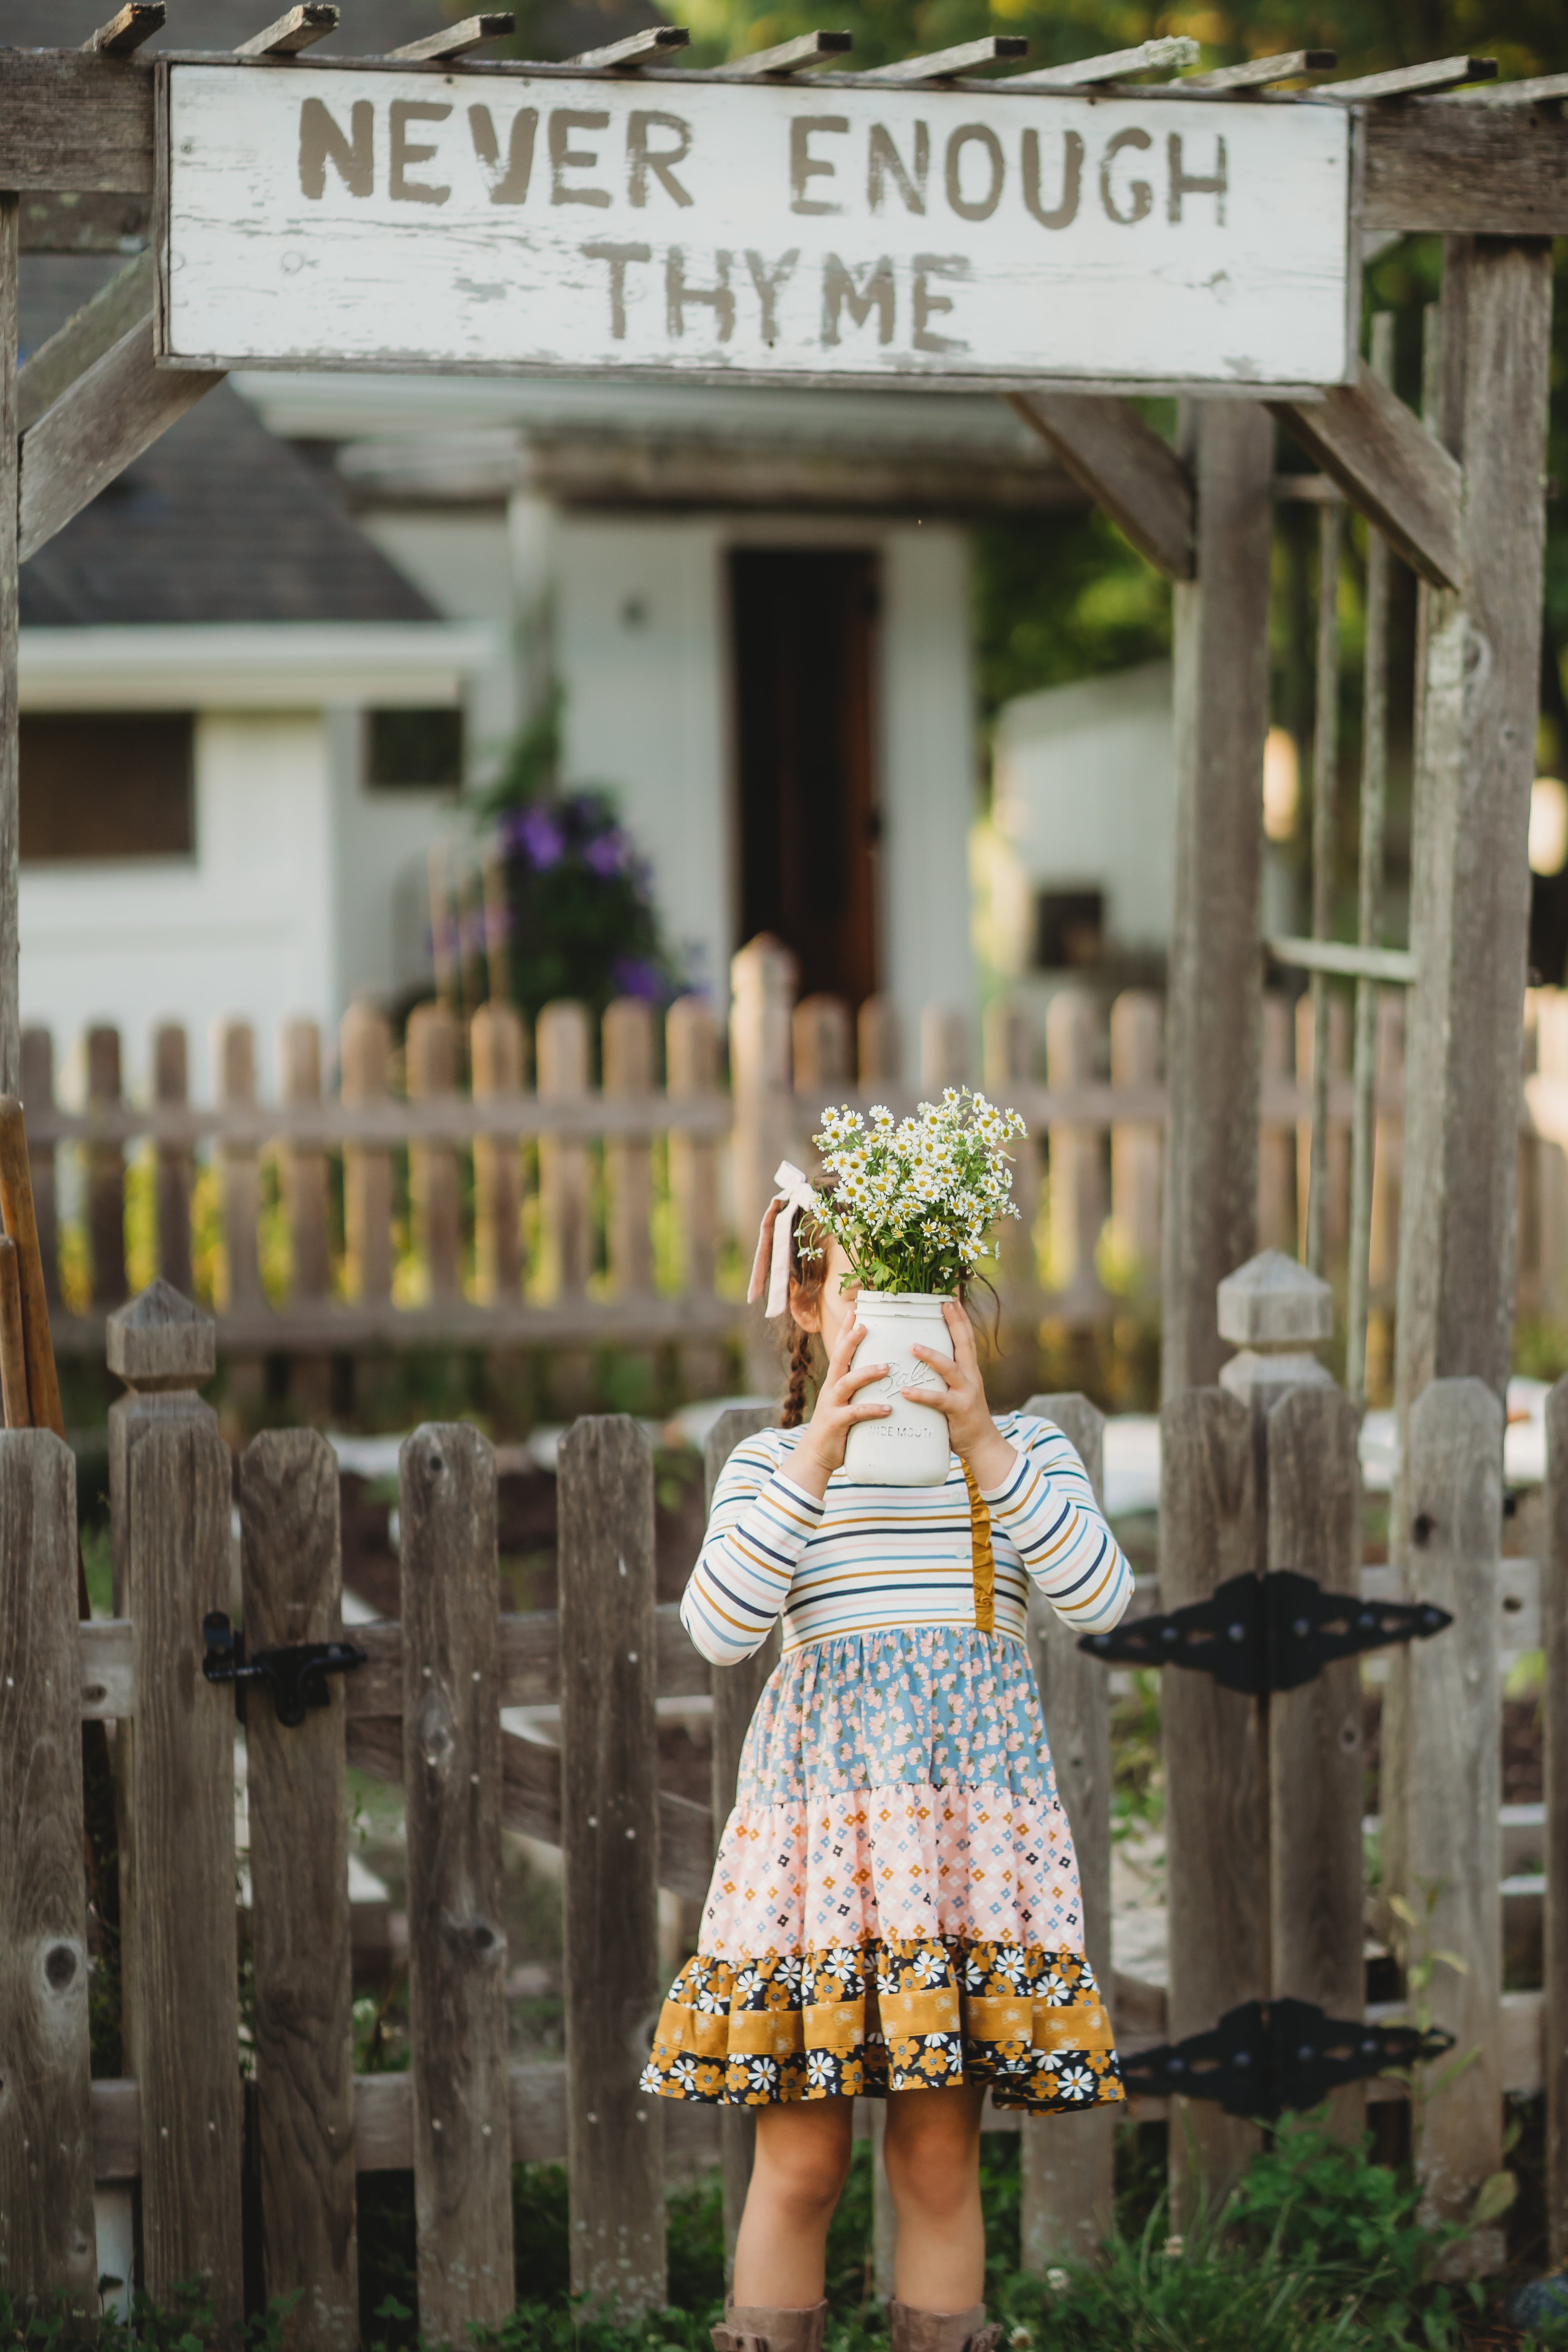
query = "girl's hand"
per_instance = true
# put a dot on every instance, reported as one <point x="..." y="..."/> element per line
<point x="962" y="1397"/>
<point x="819" y="1451"/>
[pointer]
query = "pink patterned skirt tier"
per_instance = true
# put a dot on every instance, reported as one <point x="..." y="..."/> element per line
<point x="895" y="1905"/>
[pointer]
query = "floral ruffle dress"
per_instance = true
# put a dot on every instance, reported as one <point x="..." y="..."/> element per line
<point x="895" y="1904"/>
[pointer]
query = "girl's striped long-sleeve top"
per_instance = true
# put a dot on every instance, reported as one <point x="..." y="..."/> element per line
<point x="870" y="1559"/>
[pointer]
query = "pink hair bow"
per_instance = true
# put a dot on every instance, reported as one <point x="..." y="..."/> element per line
<point x="771" y="1264"/>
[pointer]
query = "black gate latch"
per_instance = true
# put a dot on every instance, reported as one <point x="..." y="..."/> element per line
<point x="295" y="1673"/>
<point x="1270" y="2056"/>
<point x="1270" y="1632"/>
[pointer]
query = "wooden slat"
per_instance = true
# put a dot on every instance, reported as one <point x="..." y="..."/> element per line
<point x="1259" y="73"/>
<point x="1383" y="458"/>
<point x="565" y="1225"/>
<point x="736" y="1690"/>
<point x="112" y="411"/>
<point x="456" y="1944"/>
<point x="1315" y="1762"/>
<point x="47" y="2230"/>
<point x="629" y="1166"/>
<point x="379" y="1122"/>
<point x="105" y="1176"/>
<point x="456" y="40"/>
<point x="129" y="27"/>
<point x="86" y="337"/>
<point x="38" y="1094"/>
<point x="1213" y="1017"/>
<point x="655" y="41"/>
<point x="1007" y="1052"/>
<point x="170" y="1484"/>
<point x="292" y="1584"/>
<point x="298" y="28"/>
<point x="433" y="1192"/>
<point x="789" y="57"/>
<point x="1434" y="168"/>
<point x="1448" y="1730"/>
<point x="1068" y="2177"/>
<point x="941" y="64"/>
<point x="1532" y="89"/>
<point x="177" y="1167"/>
<point x="234" y="1066"/>
<point x="1555" y="1711"/>
<point x="1076" y="1198"/>
<point x="691" y="1062"/>
<point x="1410" y="81"/>
<point x="498" y="1052"/>
<point x="1137" y="1147"/>
<point x="1216" y="1799"/>
<point x="365" y="1050"/>
<point x="610" y="1862"/>
<point x="73" y="121"/>
<point x="12" y="1345"/>
<point x="305" y="1174"/>
<point x="1125" y="466"/>
<point x="1172" y="51"/>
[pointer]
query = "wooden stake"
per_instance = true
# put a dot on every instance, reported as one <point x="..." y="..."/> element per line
<point x="13" y="1347"/>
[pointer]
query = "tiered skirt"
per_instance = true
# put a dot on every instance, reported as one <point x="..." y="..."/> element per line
<point x="895" y="1905"/>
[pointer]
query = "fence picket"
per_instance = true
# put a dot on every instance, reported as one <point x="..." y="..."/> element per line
<point x="305" y="1171"/>
<point x="691" y="1063"/>
<point x="1007" y="1047"/>
<point x="498" y="1058"/>
<point x="169" y="1499"/>
<point x="762" y="980"/>
<point x="944" y="1049"/>
<point x="736" y="1690"/>
<point x="38" y="1095"/>
<point x="615" y="2133"/>
<point x="176" y="1166"/>
<point x="457" y="1947"/>
<point x="877" y="1045"/>
<point x="1078" y="1202"/>
<point x="366" y="1053"/>
<point x="565" y="1226"/>
<point x="48" y="2241"/>
<point x="1277" y="1221"/>
<point x="1068" y="2177"/>
<point x="433" y="1194"/>
<point x="1337" y="1162"/>
<point x="1137" y="1146"/>
<point x="233" y="1059"/>
<point x="105" y="1173"/>
<point x="628" y="1162"/>
<point x="292" y="1584"/>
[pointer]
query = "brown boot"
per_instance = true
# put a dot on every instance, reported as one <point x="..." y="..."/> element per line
<point x="940" y="2331"/>
<point x="748" y="2327"/>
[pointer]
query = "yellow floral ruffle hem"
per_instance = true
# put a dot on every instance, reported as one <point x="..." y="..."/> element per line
<point x="890" y="2015"/>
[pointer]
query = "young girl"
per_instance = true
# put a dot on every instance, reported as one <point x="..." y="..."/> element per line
<point x="895" y="1909"/>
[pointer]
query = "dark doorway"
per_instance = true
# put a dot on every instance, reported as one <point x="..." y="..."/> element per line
<point x="804" y="623"/>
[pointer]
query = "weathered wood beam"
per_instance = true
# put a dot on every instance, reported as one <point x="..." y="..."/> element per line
<point x="1172" y="52"/>
<point x="112" y="411"/>
<point x="941" y="64"/>
<point x="83" y="339"/>
<point x="457" y="40"/>
<point x="1383" y="458"/>
<point x="1410" y="81"/>
<point x="789" y="57"/>
<point x="1537" y="90"/>
<point x="1105" y="444"/>
<point x="644" y="49"/>
<point x="1261" y="73"/>
<point x="135" y="23"/>
<point x="73" y="119"/>
<point x="1437" y="168"/>
<point x="298" y="28"/>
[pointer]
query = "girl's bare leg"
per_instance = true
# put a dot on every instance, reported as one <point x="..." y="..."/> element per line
<point x="932" y="2153"/>
<point x="802" y="2160"/>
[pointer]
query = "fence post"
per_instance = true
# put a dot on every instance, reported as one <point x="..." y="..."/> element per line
<point x="1068" y="2162"/>
<point x="457" y="1947"/>
<point x="1554" y="1708"/>
<point x="736" y="1690"/>
<point x="609" y="1825"/>
<point x="1387" y="1183"/>
<point x="1216" y="1802"/>
<point x="1077" y="1158"/>
<point x="497" y="1057"/>
<point x="1008" y="1050"/>
<point x="105" y="1173"/>
<point x="1277" y="1225"/>
<point x="38" y="1095"/>
<point x="170" y="1504"/>
<point x="1137" y="1145"/>
<point x="292" y="1584"/>
<point x="364" y="1051"/>
<point x="175" y="1160"/>
<point x="692" y="1065"/>
<point x="1444" y="1744"/>
<point x="47" y="2238"/>
<point x="761" y="985"/>
<point x="432" y="1066"/>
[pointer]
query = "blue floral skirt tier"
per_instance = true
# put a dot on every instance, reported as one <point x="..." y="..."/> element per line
<point x="895" y="1905"/>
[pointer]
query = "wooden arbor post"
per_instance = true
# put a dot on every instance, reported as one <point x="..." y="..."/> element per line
<point x="1203" y="518"/>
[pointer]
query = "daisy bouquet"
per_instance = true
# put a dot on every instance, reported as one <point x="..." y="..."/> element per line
<point x="914" y="1200"/>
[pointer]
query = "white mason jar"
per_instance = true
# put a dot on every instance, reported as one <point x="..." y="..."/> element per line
<point x="910" y="1447"/>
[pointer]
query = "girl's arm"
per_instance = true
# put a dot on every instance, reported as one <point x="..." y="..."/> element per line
<point x="760" y="1525"/>
<point x="1046" y="1506"/>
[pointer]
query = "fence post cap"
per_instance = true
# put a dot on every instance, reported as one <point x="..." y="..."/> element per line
<point x="1273" y="1302"/>
<point x="161" y="1341"/>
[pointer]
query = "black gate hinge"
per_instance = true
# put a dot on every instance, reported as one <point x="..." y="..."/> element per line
<point x="1270" y="1633"/>
<point x="295" y="1673"/>
<point x="1268" y="2057"/>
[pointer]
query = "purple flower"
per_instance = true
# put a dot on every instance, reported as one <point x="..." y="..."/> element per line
<point x="537" y="832"/>
<point x="605" y="856"/>
<point x="635" y="976"/>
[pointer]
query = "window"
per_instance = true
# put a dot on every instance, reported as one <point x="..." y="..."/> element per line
<point x="1069" y="928"/>
<point x="414" y="749"/>
<point x="107" y="784"/>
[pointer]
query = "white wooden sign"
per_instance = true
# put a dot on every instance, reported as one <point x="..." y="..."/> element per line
<point x="821" y="231"/>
